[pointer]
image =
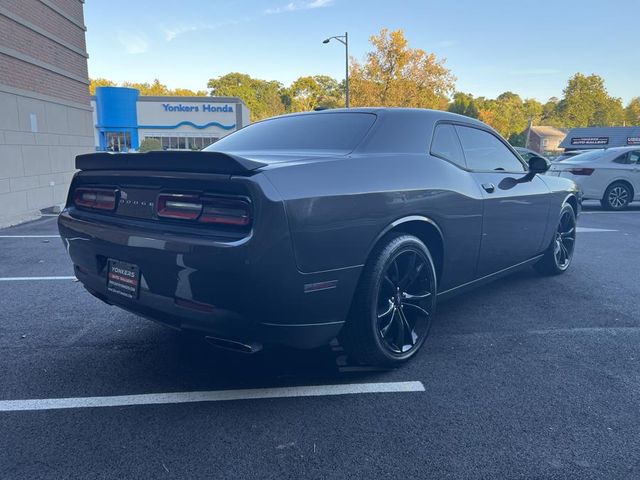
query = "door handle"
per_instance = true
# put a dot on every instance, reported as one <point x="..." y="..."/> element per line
<point x="489" y="187"/>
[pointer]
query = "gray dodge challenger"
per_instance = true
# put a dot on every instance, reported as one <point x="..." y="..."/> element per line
<point x="305" y="227"/>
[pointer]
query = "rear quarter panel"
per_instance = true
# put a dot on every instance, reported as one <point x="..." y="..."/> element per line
<point x="337" y="209"/>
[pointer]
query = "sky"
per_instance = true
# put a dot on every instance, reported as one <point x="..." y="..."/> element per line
<point x="530" y="47"/>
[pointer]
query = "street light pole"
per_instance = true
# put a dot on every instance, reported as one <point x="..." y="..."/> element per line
<point x="343" y="39"/>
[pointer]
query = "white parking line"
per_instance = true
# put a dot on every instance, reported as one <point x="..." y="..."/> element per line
<point x="25" y="279"/>
<point x="29" y="236"/>
<point x="593" y="230"/>
<point x="210" y="396"/>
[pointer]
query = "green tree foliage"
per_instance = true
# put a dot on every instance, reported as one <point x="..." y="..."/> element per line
<point x="396" y="75"/>
<point x="265" y="98"/>
<point x="549" y="114"/>
<point x="464" y="104"/>
<point x="148" y="89"/>
<point x="587" y="103"/>
<point x="632" y="112"/>
<point x="307" y="93"/>
<point x="150" y="144"/>
<point x="509" y="114"/>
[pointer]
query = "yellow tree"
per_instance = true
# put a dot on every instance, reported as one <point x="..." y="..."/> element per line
<point x="396" y="75"/>
<point x="632" y="112"/>
<point x="99" y="82"/>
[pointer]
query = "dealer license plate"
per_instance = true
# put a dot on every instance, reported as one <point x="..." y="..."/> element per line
<point x="123" y="279"/>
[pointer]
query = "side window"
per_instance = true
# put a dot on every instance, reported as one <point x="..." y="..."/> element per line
<point x="484" y="152"/>
<point x="623" y="159"/>
<point x="634" y="157"/>
<point x="445" y="144"/>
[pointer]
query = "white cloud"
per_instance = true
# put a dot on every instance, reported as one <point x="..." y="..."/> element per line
<point x="446" y="43"/>
<point x="299" y="5"/>
<point x="534" y="71"/>
<point x="133" y="43"/>
<point x="171" y="33"/>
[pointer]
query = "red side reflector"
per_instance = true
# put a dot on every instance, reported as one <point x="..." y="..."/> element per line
<point x="95" y="198"/>
<point x="581" y="171"/>
<point x="183" y="207"/>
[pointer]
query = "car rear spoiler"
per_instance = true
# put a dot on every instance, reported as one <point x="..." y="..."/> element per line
<point x="169" y="161"/>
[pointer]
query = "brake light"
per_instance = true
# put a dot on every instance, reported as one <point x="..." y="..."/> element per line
<point x="221" y="210"/>
<point x="581" y="171"/>
<point x="95" y="198"/>
<point x="226" y="211"/>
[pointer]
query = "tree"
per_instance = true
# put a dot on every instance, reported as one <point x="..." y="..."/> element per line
<point x="307" y="93"/>
<point x="549" y="114"/>
<point x="149" y="144"/>
<point x="263" y="97"/>
<point x="632" y="112"/>
<point x="587" y="103"/>
<point x="99" y="82"/>
<point x="186" y="92"/>
<point x="464" y="104"/>
<point x="154" y="89"/>
<point x="395" y="75"/>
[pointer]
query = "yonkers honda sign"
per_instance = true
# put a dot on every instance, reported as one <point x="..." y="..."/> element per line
<point x="633" y="140"/>
<point x="205" y="107"/>
<point x="590" y="141"/>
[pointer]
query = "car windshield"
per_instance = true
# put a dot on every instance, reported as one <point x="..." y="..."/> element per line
<point x="338" y="132"/>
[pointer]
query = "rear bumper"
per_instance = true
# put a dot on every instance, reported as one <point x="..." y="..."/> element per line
<point x="245" y="290"/>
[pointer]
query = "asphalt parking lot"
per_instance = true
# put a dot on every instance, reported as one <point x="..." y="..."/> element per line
<point x="529" y="377"/>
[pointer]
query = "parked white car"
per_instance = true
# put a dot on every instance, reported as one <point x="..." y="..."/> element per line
<point x="611" y="176"/>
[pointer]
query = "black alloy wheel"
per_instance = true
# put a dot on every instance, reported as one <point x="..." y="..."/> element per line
<point x="394" y="304"/>
<point x="403" y="312"/>
<point x="565" y="239"/>
<point x="559" y="255"/>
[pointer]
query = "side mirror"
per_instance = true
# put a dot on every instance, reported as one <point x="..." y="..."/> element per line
<point x="538" y="165"/>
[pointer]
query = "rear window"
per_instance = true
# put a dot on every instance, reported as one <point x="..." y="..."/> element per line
<point x="593" y="155"/>
<point x="327" y="132"/>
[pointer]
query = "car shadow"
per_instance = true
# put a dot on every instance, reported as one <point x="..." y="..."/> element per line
<point x="594" y="206"/>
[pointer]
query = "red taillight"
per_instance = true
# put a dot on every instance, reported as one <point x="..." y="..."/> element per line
<point x="183" y="207"/>
<point x="226" y="211"/>
<point x="580" y="171"/>
<point x="221" y="210"/>
<point x="95" y="198"/>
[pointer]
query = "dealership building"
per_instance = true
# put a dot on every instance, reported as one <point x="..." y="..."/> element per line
<point x="601" y="137"/>
<point x="123" y="119"/>
<point x="45" y="111"/>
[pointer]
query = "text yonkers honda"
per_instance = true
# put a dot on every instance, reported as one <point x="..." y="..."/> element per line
<point x="301" y="228"/>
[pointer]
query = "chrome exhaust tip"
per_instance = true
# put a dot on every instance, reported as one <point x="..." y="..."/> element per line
<point x="233" y="345"/>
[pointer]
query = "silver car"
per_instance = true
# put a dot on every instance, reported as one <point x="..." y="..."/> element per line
<point x="611" y="176"/>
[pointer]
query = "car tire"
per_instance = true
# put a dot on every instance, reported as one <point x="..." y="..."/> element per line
<point x="559" y="255"/>
<point x="394" y="303"/>
<point x="617" y="196"/>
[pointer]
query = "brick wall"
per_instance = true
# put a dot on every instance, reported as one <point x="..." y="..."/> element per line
<point x="17" y="37"/>
<point x="45" y="114"/>
<point x="43" y="16"/>
<point x="19" y="74"/>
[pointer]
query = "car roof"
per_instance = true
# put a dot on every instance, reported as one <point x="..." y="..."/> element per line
<point x="400" y="130"/>
<point x="395" y="111"/>
<point x="601" y="154"/>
